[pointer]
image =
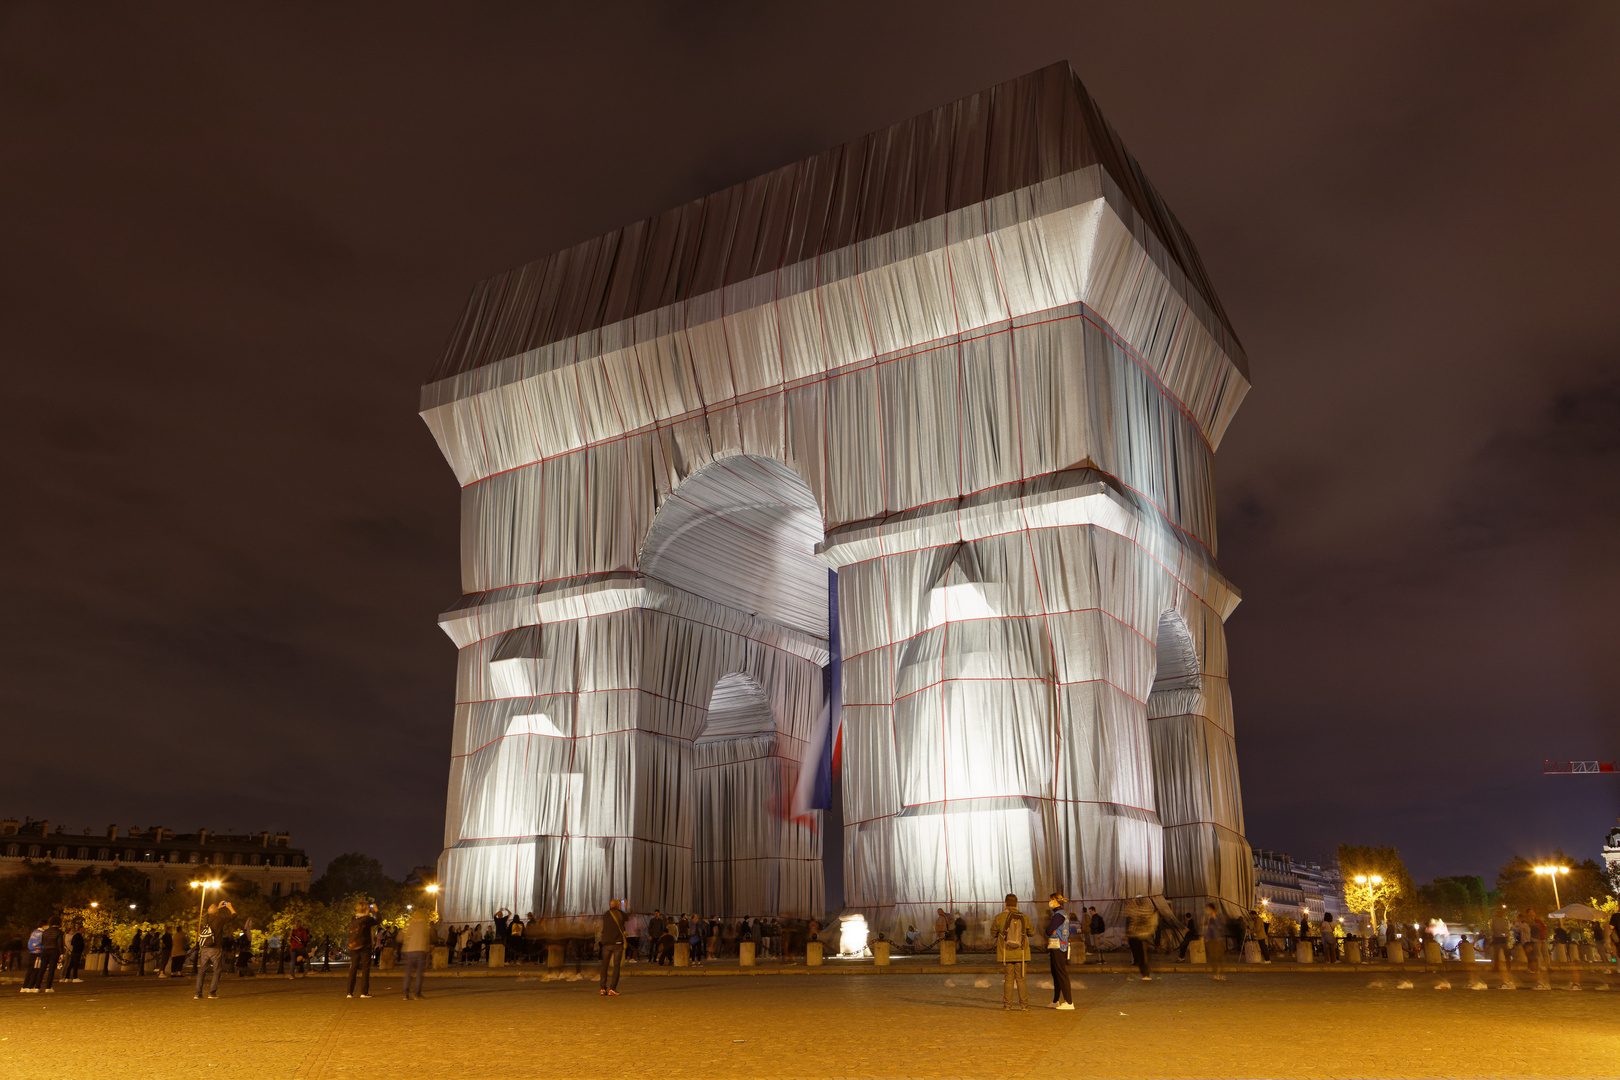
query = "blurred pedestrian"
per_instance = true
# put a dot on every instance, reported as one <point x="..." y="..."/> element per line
<point x="1011" y="932"/>
<point x="1141" y="923"/>
<point x="1189" y="935"/>
<point x="1214" y="930"/>
<point x="1501" y="941"/>
<point x="160" y="956"/>
<point x="75" y="956"/>
<point x="416" y="944"/>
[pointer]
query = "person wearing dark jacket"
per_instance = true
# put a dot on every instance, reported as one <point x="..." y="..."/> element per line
<point x="613" y="943"/>
<point x="365" y="917"/>
<point x="75" y="958"/>
<point x="1057" y="951"/>
<point x="42" y="964"/>
<point x="211" y="940"/>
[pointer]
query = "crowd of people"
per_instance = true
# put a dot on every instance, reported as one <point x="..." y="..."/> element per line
<point x="218" y="945"/>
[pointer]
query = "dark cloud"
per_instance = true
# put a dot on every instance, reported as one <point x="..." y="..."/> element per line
<point x="232" y="242"/>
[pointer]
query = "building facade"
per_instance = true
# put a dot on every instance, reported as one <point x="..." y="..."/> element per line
<point x="1611" y="855"/>
<point x="970" y="363"/>
<point x="169" y="860"/>
<point x="1291" y="888"/>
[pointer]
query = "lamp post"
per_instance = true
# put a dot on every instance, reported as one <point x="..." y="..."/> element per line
<point x="1553" y="872"/>
<point x="433" y="890"/>
<point x="1372" y="881"/>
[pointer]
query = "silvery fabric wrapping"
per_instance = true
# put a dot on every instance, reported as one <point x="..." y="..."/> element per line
<point x="972" y="363"/>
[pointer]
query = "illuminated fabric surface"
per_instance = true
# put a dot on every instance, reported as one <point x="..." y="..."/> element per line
<point x="973" y="363"/>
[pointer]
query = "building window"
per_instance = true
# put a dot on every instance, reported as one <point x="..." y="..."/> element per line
<point x="275" y="888"/>
<point x="192" y="857"/>
<point x="61" y="853"/>
<point x="236" y="860"/>
<point x="84" y="853"/>
<point x="33" y="851"/>
<point x="293" y="887"/>
<point x="101" y="854"/>
<point x="11" y="850"/>
<point x="281" y="860"/>
<point x="255" y="860"/>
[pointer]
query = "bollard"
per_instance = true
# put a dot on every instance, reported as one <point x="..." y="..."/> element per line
<point x="440" y="957"/>
<point x="1251" y="952"/>
<point x="1303" y="953"/>
<point x="1560" y="954"/>
<point x="880" y="953"/>
<point x="745" y="954"/>
<point x="555" y="955"/>
<point x="95" y="962"/>
<point x="1396" y="952"/>
<point x="1432" y="953"/>
<point x="1196" y="953"/>
<point x="1465" y="952"/>
<point x="387" y="958"/>
<point x="1077" y="950"/>
<point x="947" y="951"/>
<point x="497" y="955"/>
<point x="812" y="954"/>
<point x="1352" y="951"/>
<point x="683" y="954"/>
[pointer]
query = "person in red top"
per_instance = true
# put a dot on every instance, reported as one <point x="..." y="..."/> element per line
<point x="298" y="945"/>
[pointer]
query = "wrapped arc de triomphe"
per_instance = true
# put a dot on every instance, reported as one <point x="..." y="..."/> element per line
<point x="972" y="364"/>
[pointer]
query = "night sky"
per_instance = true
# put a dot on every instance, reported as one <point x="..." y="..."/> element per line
<point x="234" y="239"/>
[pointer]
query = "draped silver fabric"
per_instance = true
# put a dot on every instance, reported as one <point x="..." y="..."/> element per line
<point x="971" y="362"/>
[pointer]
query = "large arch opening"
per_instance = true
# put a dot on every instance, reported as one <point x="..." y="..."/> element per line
<point x="741" y="532"/>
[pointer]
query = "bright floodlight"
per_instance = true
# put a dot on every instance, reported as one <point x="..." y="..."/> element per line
<point x="852" y="936"/>
<point x="432" y="888"/>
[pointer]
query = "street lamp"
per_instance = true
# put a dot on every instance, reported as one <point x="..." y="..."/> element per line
<point x="433" y="890"/>
<point x="1553" y="872"/>
<point x="1371" y="881"/>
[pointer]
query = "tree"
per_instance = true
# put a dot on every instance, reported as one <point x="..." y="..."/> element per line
<point x="354" y="873"/>
<point x="1462" y="900"/>
<point x="1386" y="863"/>
<point x="1522" y="889"/>
<point x="1369" y="895"/>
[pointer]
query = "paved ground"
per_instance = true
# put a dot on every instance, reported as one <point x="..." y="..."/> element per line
<point x="928" y="1024"/>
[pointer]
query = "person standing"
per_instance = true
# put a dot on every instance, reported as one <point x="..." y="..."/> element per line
<point x="613" y="945"/>
<point x="298" y="942"/>
<point x="1011" y="931"/>
<point x="514" y="941"/>
<point x="180" y="947"/>
<point x="75" y="957"/>
<point x="415" y="946"/>
<point x="1141" y="923"/>
<point x="1189" y="934"/>
<point x="211" y="946"/>
<point x="365" y="917"/>
<point x="959" y="928"/>
<point x="1057" y="951"/>
<point x="165" y="949"/>
<point x="1096" y="928"/>
<point x="1214" y="939"/>
<point x="1501" y="941"/>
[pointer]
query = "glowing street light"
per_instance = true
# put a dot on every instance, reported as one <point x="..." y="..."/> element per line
<point x="202" y="901"/>
<point x="433" y="891"/>
<point x="1553" y="872"/>
<point x="1372" y="881"/>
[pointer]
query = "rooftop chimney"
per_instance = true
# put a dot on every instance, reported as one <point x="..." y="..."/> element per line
<point x="112" y="832"/>
<point x="8" y="827"/>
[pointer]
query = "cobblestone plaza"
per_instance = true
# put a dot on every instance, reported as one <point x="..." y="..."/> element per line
<point x="900" y="1024"/>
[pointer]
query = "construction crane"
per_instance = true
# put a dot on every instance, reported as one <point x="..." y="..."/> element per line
<point x="1575" y="768"/>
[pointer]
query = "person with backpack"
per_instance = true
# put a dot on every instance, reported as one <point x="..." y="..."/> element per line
<point x="1057" y="952"/>
<point x="1011" y="931"/>
<point x="211" y="938"/>
<point x="44" y="951"/>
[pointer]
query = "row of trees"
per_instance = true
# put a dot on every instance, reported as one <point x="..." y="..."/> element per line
<point x="1466" y="899"/>
<point x="117" y="902"/>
